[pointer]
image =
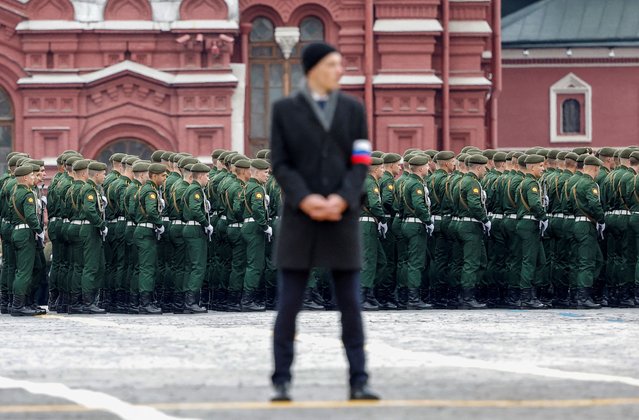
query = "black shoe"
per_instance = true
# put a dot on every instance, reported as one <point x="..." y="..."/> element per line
<point x="363" y="393"/>
<point x="75" y="304"/>
<point x="270" y="300"/>
<point x="168" y="301"/>
<point x="19" y="308"/>
<point x="233" y="301"/>
<point x="584" y="301"/>
<point x="561" y="300"/>
<point x="439" y="300"/>
<point x="368" y="301"/>
<point x="249" y="302"/>
<point x="387" y="305"/>
<point x="310" y="304"/>
<point x="134" y="304"/>
<point x="513" y="298"/>
<point x="281" y="392"/>
<point x="90" y="306"/>
<point x="468" y="300"/>
<point x="62" y="305"/>
<point x="402" y="298"/>
<point x="191" y="304"/>
<point x="415" y="302"/>
<point x="626" y="297"/>
<point x="178" y="303"/>
<point x="4" y="303"/>
<point x="52" y="303"/>
<point x="529" y="301"/>
<point x="147" y="306"/>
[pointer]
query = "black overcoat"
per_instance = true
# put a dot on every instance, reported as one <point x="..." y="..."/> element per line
<point x="309" y="158"/>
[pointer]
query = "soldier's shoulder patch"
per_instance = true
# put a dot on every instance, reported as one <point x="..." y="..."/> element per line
<point x="376" y="190"/>
<point x="476" y="190"/>
<point x="258" y="195"/>
<point x="152" y="195"/>
<point x="595" y="191"/>
<point x="534" y="189"/>
<point x="420" y="192"/>
<point x="391" y="187"/>
<point x="90" y="197"/>
<point x="30" y="199"/>
<point x="197" y="196"/>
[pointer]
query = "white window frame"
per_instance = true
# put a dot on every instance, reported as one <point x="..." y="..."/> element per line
<point x="570" y="85"/>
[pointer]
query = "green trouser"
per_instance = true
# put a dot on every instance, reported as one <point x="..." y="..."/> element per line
<point x="442" y="248"/>
<point x="373" y="258"/>
<point x="616" y="226"/>
<point x="402" y="251"/>
<point x="513" y="256"/>
<point x="270" y="269"/>
<point x="633" y="225"/>
<point x="238" y="259"/>
<point x="560" y="266"/>
<point x="93" y="256"/>
<point x="77" y="258"/>
<point x="255" y="242"/>
<point x="629" y="252"/>
<point x="8" y="259"/>
<point x="498" y="249"/>
<point x="532" y="253"/>
<point x="132" y="272"/>
<point x="177" y="261"/>
<point x="53" y="231"/>
<point x="471" y="236"/>
<point x="39" y="275"/>
<point x="222" y="245"/>
<point x="388" y="279"/>
<point x="163" y="278"/>
<point x="196" y="250"/>
<point x="457" y="255"/>
<point x="24" y="244"/>
<point x="110" y="248"/>
<point x="66" y="267"/>
<point x="415" y="236"/>
<point x="147" y="246"/>
<point x="589" y="259"/>
<point x="119" y="262"/>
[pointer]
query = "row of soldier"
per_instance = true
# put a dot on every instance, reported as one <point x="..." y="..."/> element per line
<point x="474" y="230"/>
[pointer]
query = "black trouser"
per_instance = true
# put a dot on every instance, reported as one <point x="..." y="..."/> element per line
<point x="292" y="284"/>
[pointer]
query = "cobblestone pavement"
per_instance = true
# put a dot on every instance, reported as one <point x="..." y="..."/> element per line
<point x="443" y="364"/>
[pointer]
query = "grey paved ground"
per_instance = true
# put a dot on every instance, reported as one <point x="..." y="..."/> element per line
<point x="435" y="364"/>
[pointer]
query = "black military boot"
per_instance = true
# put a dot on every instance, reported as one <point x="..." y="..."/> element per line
<point x="545" y="295"/>
<point x="626" y="297"/>
<point x="220" y="300"/>
<point x="637" y="295"/>
<point x="178" y="302"/>
<point x="123" y="302"/>
<point x="134" y="304"/>
<point x="19" y="308"/>
<point x="282" y="392"/>
<point x="4" y="303"/>
<point x="250" y="302"/>
<point x="147" y="306"/>
<point x="168" y="299"/>
<point x="584" y="301"/>
<point x="191" y="304"/>
<point x="233" y="300"/>
<point x="415" y="302"/>
<point x="561" y="300"/>
<point x="368" y="301"/>
<point x="453" y="298"/>
<point x="205" y="297"/>
<point x="270" y="299"/>
<point x="613" y="297"/>
<point x="52" y="303"/>
<point x="402" y="298"/>
<point x="309" y="303"/>
<point x="468" y="300"/>
<point x="90" y="303"/>
<point x="63" y="303"/>
<point x="75" y="303"/>
<point x="362" y="392"/>
<point x="439" y="300"/>
<point x="529" y="301"/>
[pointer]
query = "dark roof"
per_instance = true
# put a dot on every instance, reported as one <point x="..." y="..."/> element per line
<point x="511" y="6"/>
<point x="572" y="23"/>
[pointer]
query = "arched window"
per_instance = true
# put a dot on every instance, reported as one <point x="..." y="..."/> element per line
<point x="6" y="128"/>
<point x="129" y="146"/>
<point x="570" y="116"/>
<point x="311" y="29"/>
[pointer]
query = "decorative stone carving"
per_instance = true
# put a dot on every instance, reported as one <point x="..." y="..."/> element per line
<point x="287" y="37"/>
<point x="128" y="10"/>
<point x="204" y="9"/>
<point x="50" y="10"/>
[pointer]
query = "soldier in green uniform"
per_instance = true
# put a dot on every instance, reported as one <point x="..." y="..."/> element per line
<point x="388" y="281"/>
<point x="417" y="226"/>
<point x="111" y="248"/>
<point x="148" y="230"/>
<point x="531" y="225"/>
<point x="76" y="246"/>
<point x="270" y="272"/>
<point x="195" y="233"/>
<point x="93" y="233"/>
<point x="373" y="224"/>
<point x="235" y="217"/>
<point x="165" y="287"/>
<point x="589" y="223"/>
<point x="26" y="229"/>
<point x="213" y="258"/>
<point x="457" y="256"/>
<point x="255" y="231"/>
<point x="140" y="170"/>
<point x="396" y="228"/>
<point x="628" y="190"/>
<point x="469" y="199"/>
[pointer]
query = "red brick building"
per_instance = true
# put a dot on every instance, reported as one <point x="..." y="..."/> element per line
<point x="195" y="75"/>
<point x="570" y="74"/>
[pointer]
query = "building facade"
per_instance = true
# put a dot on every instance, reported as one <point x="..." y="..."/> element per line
<point x="570" y="75"/>
<point x="194" y="75"/>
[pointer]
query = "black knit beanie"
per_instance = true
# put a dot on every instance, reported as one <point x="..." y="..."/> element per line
<point x="314" y="53"/>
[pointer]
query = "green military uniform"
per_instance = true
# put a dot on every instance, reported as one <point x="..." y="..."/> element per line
<point x="117" y="231"/>
<point x="149" y="225"/>
<point x="132" y="270"/>
<point x="373" y="257"/>
<point x="76" y="246"/>
<point x="93" y="232"/>
<point x="112" y="244"/>
<point x="402" y="251"/>
<point x="270" y="272"/>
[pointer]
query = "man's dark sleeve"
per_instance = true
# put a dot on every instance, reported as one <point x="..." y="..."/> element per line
<point x="290" y="180"/>
<point x="351" y="189"/>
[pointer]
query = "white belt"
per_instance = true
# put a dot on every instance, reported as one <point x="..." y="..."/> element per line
<point x="80" y="222"/>
<point x="249" y="219"/>
<point x="388" y="216"/>
<point x="569" y="216"/>
<point x="436" y="217"/>
<point x="468" y="219"/>
<point x="582" y="219"/>
<point x="529" y="217"/>
<point x="498" y="216"/>
<point x="621" y="212"/>
<point x="215" y="213"/>
<point x="413" y="220"/>
<point x="177" y="222"/>
<point x="130" y="223"/>
<point x="557" y="215"/>
<point x="223" y="217"/>
<point x="510" y="216"/>
<point x="21" y="226"/>
<point x="53" y="219"/>
<point x="235" y="225"/>
<point x="120" y="219"/>
<point x="165" y="219"/>
<point x="192" y="223"/>
<point x="362" y="219"/>
<point x="113" y="221"/>
<point x="147" y="225"/>
<point x="65" y="220"/>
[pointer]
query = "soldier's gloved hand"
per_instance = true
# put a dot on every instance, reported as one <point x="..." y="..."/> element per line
<point x="382" y="228"/>
<point x="104" y="232"/>
<point x="162" y="203"/>
<point x="487" y="226"/>
<point x="43" y="199"/>
<point x="267" y="199"/>
<point x="208" y="230"/>
<point x="269" y="233"/>
<point x="104" y="200"/>
<point x="430" y="229"/>
<point x="160" y="230"/>
<point x="600" y="229"/>
<point x="543" y="225"/>
<point x="40" y="236"/>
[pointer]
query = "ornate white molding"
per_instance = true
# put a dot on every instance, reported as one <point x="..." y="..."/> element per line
<point x="287" y="37"/>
